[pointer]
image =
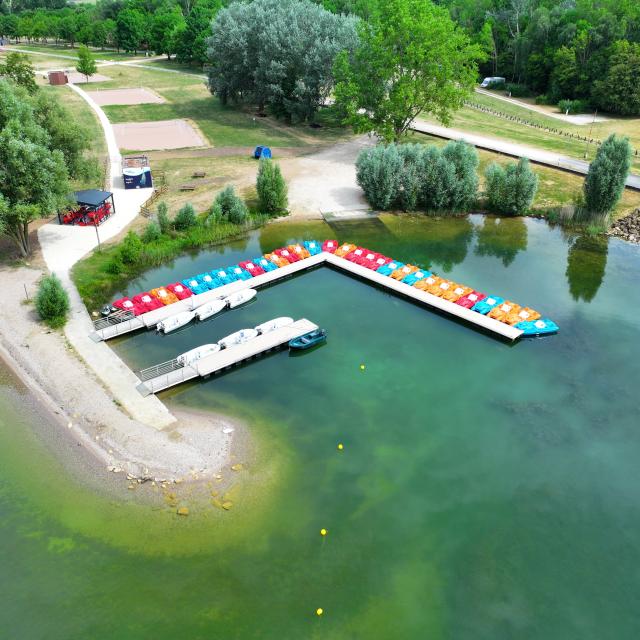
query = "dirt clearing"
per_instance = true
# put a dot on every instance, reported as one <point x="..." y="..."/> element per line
<point x="125" y="96"/>
<point x="163" y="134"/>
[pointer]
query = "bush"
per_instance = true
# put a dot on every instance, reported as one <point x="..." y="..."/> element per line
<point x="606" y="178"/>
<point x="574" y="106"/>
<point x="52" y="301"/>
<point x="271" y="187"/>
<point x="409" y="186"/>
<point x="131" y="248"/>
<point x="378" y="172"/>
<point x="151" y="232"/>
<point x="163" y="218"/>
<point x="228" y="206"/>
<point x="463" y="191"/>
<point x="185" y="218"/>
<point x="438" y="176"/>
<point x="115" y="266"/>
<point x="518" y="90"/>
<point x="510" y="190"/>
<point x="543" y="98"/>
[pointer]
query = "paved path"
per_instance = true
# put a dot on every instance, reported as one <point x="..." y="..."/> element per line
<point x="571" y="119"/>
<point x="539" y="156"/>
<point x="62" y="246"/>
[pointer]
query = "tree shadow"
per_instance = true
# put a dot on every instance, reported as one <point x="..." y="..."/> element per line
<point x="502" y="238"/>
<point x="586" y="266"/>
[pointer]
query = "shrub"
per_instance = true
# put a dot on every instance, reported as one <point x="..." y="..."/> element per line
<point x="163" y="218"/>
<point x="511" y="189"/>
<point x="151" y="232"/>
<point x="131" y="248"/>
<point x="52" y="301"/>
<point x="228" y="206"/>
<point x="378" y="172"/>
<point x="409" y="186"/>
<point x="271" y="187"/>
<point x="463" y="191"/>
<point x="574" y="106"/>
<point x="185" y="218"/>
<point x="518" y="90"/>
<point x="606" y="178"/>
<point x="115" y="266"/>
<point x="438" y="176"/>
<point x="543" y="98"/>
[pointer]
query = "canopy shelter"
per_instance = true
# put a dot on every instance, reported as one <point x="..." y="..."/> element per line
<point x="92" y="208"/>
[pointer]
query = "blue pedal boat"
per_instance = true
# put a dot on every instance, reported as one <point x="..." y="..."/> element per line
<point x="195" y="285"/>
<point x="224" y="276"/>
<point x="265" y="264"/>
<point x="390" y="267"/>
<point x="486" y="304"/>
<point x="308" y="340"/>
<point x="412" y="278"/>
<point x="312" y="246"/>
<point x="541" y="327"/>
<point x="239" y="273"/>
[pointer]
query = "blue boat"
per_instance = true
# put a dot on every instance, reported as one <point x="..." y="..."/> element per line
<point x="485" y="305"/>
<point x="389" y="268"/>
<point x="265" y="264"/>
<point x="239" y="273"/>
<point x="412" y="278"/>
<point x="542" y="327"/>
<point x="308" y="340"/>
<point x="195" y="285"/>
<point x="224" y="276"/>
<point x="312" y="246"/>
<point x="208" y="280"/>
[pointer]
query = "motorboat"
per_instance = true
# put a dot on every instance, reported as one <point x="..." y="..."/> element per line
<point x="239" y="337"/>
<point x="198" y="353"/>
<point x="541" y="327"/>
<point x="272" y="325"/>
<point x="209" y="309"/>
<point x="309" y="340"/>
<point x="240" y="297"/>
<point x="175" y="322"/>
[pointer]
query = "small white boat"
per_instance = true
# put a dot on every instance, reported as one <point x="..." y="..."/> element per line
<point x="240" y="297"/>
<point x="175" y="322"/>
<point x="239" y="337"/>
<point x="209" y="309"/>
<point x="272" y="325"/>
<point x="189" y="357"/>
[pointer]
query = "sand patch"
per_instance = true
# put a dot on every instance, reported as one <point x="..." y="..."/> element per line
<point x="125" y="96"/>
<point x="163" y="134"/>
<point x="77" y="78"/>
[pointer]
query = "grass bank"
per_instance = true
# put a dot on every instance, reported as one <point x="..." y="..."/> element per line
<point x="97" y="280"/>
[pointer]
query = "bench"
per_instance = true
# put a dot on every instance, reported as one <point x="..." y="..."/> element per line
<point x="198" y="174"/>
<point x="187" y="187"/>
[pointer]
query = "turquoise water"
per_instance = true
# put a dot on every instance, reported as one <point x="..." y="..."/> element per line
<point x="485" y="490"/>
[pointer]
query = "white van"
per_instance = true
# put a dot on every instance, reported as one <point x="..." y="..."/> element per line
<point x="487" y="83"/>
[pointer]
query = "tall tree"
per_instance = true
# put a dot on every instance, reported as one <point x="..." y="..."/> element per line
<point x="130" y="30"/>
<point x="412" y="59"/>
<point x="86" y="64"/>
<point x="18" y="67"/>
<point x="619" y="90"/>
<point x="166" y="29"/>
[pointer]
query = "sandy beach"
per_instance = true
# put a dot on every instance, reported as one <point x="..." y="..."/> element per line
<point x="196" y="447"/>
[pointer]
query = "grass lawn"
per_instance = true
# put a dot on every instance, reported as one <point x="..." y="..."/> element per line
<point x="64" y="49"/>
<point x="555" y="188"/>
<point x="468" y="119"/>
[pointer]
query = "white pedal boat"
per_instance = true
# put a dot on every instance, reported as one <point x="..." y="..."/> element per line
<point x="239" y="337"/>
<point x="209" y="309"/>
<point x="189" y="357"/>
<point x="240" y="297"/>
<point x="272" y="325"/>
<point x="175" y="322"/>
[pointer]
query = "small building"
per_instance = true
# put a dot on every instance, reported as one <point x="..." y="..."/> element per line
<point x="136" y="172"/>
<point x="57" y="77"/>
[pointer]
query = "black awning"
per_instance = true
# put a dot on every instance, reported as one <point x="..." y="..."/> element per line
<point x="91" y="197"/>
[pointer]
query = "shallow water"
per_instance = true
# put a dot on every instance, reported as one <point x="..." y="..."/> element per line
<point x="485" y="490"/>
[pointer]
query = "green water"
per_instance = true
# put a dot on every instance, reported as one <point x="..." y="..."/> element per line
<point x="485" y="490"/>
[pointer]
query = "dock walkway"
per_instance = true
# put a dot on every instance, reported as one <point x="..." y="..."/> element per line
<point x="169" y="374"/>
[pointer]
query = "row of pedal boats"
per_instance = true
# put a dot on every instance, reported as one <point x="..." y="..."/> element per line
<point x="246" y="335"/>
<point x="529" y="321"/>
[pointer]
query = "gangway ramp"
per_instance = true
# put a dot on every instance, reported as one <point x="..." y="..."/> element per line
<point x="171" y="373"/>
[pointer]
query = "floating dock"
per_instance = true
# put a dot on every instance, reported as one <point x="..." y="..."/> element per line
<point x="105" y="330"/>
<point x="171" y="373"/>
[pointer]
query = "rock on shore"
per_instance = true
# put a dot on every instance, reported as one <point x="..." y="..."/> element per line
<point x="627" y="228"/>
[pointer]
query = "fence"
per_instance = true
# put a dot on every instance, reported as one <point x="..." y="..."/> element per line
<point x="159" y="176"/>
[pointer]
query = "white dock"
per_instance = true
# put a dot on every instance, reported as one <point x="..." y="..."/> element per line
<point x="169" y="374"/>
<point x="149" y="320"/>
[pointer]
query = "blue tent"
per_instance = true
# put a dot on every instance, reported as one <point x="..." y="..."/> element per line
<point x="262" y="152"/>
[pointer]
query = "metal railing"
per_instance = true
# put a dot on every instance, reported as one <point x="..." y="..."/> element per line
<point x="113" y="319"/>
<point x="161" y="369"/>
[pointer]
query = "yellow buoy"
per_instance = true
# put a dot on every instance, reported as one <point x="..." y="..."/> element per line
<point x="323" y="532"/>
<point x="362" y="367"/>
<point x="319" y="611"/>
<point x="340" y="447"/>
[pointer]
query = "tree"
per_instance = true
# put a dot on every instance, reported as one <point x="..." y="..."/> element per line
<point x="271" y="188"/>
<point x="510" y="190"/>
<point x="586" y="266"/>
<point x="185" y="218"/>
<point x="18" y="67"/>
<point x="166" y="27"/>
<point x="86" y="63"/>
<point x="564" y="77"/>
<point x="378" y="172"/>
<point x="606" y="178"/>
<point x="619" y="91"/>
<point x="130" y="29"/>
<point x="412" y="59"/>
<point x="163" y="218"/>
<point x="52" y="301"/>
<point x="228" y="206"/>
<point x="192" y="37"/>
<point x="277" y="53"/>
<point x="464" y="189"/>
